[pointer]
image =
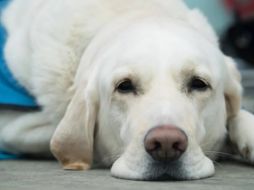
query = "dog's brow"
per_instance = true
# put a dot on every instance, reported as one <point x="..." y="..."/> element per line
<point x="191" y="69"/>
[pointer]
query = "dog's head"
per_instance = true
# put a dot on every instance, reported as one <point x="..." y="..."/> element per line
<point x="152" y="98"/>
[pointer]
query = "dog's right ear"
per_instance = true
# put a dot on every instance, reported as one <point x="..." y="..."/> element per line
<point x="233" y="89"/>
<point x="72" y="142"/>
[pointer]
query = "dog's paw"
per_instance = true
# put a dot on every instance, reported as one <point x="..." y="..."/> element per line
<point x="76" y="166"/>
<point x="247" y="153"/>
<point x="241" y="133"/>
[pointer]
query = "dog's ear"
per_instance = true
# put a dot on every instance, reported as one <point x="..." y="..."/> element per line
<point x="240" y="122"/>
<point x="232" y="88"/>
<point x="72" y="142"/>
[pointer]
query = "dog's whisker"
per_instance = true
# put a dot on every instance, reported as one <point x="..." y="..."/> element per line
<point x="218" y="164"/>
<point x="224" y="154"/>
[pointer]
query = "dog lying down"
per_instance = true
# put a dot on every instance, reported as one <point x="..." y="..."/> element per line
<point x="140" y="86"/>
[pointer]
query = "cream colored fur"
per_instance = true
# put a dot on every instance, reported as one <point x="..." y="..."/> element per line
<point x="71" y="55"/>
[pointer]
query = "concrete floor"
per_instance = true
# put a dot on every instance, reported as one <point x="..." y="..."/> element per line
<point x="33" y="175"/>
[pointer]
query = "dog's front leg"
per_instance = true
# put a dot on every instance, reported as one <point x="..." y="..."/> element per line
<point x="241" y="134"/>
<point x="30" y="133"/>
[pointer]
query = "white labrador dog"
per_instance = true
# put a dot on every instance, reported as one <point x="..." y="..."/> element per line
<point x="139" y="85"/>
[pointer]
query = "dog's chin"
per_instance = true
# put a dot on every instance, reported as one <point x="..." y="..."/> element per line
<point x="156" y="171"/>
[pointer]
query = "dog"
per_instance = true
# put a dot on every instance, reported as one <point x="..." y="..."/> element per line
<point x="140" y="86"/>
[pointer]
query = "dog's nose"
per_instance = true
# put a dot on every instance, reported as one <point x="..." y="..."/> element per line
<point x="165" y="143"/>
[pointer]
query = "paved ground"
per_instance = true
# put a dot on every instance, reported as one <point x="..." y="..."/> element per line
<point x="33" y="175"/>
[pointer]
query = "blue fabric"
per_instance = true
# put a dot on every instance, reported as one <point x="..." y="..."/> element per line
<point x="11" y="92"/>
<point x="8" y="156"/>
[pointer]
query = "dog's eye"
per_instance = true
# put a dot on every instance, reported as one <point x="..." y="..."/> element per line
<point x="126" y="86"/>
<point x="198" y="84"/>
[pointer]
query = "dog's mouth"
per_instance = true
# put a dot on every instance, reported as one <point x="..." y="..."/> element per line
<point x="165" y="177"/>
<point x="163" y="171"/>
<point x="160" y="171"/>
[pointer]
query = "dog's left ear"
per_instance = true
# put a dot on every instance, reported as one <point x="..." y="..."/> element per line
<point x="232" y="88"/>
<point x="240" y="123"/>
<point x="73" y="141"/>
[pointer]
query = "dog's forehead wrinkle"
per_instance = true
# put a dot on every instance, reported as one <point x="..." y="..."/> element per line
<point x="152" y="36"/>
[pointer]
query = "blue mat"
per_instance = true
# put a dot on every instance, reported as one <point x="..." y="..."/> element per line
<point x="11" y="92"/>
<point x="8" y="156"/>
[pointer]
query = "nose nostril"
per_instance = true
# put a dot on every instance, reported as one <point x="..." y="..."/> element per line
<point x="157" y="145"/>
<point x="179" y="146"/>
<point x="176" y="146"/>
<point x="153" y="146"/>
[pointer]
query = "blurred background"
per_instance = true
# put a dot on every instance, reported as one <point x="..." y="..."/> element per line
<point x="233" y="20"/>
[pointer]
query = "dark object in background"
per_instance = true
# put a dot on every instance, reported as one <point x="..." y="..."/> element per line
<point x="238" y="39"/>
